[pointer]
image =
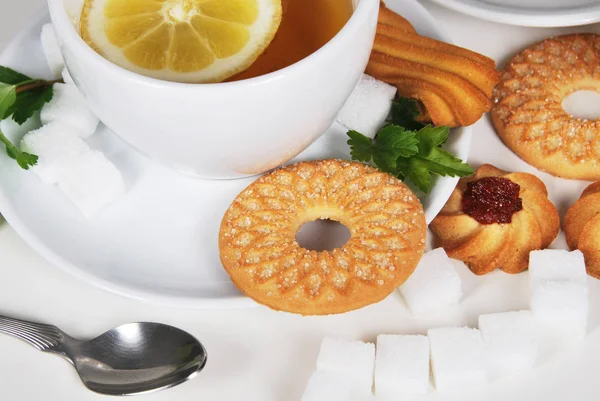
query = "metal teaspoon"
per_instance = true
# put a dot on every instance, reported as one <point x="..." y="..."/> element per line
<point x="134" y="358"/>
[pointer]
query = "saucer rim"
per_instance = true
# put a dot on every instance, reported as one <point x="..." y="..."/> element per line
<point x="531" y="16"/>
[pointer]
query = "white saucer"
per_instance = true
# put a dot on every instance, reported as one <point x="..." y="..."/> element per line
<point x="159" y="242"/>
<point x="539" y="13"/>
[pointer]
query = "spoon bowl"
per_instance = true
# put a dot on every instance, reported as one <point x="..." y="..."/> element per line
<point x="139" y="357"/>
<point x="134" y="358"/>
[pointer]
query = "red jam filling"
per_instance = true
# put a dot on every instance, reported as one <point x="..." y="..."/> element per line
<point x="492" y="200"/>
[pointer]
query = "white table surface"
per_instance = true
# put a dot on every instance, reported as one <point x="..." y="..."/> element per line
<point x="255" y="354"/>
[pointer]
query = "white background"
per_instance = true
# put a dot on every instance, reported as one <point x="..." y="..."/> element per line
<point x="257" y="354"/>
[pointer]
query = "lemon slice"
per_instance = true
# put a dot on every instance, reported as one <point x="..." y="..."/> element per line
<point x="181" y="40"/>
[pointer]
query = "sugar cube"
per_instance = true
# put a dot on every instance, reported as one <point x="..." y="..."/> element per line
<point x="401" y="365"/>
<point x="368" y="106"/>
<point x="91" y="182"/>
<point x="329" y="386"/>
<point x="557" y="265"/>
<point x="67" y="76"/>
<point x="511" y="341"/>
<point x="434" y="286"/>
<point x="561" y="307"/>
<point x="457" y="358"/>
<point x="69" y="107"/>
<point x="54" y="144"/>
<point x="52" y="51"/>
<point x="354" y="359"/>
<point x="559" y="291"/>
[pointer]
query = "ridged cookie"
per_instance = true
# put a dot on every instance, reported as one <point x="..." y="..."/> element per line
<point x="453" y="84"/>
<point x="528" y="113"/>
<point x="582" y="227"/>
<point x="259" y="251"/>
<point x="486" y="247"/>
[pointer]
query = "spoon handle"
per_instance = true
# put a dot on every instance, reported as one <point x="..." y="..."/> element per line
<point x="42" y="336"/>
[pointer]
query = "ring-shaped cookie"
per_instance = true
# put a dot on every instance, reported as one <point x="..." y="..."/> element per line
<point x="259" y="250"/>
<point x="528" y="112"/>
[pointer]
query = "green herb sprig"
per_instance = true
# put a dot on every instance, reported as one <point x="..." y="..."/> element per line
<point x="20" y="97"/>
<point x="409" y="149"/>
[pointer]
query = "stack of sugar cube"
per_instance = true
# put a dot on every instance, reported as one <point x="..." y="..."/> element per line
<point x="68" y="107"/>
<point x="368" y="107"/>
<point x="559" y="292"/>
<point x="399" y="367"/>
<point x="433" y="287"/>
<point x="85" y="176"/>
<point x="344" y="371"/>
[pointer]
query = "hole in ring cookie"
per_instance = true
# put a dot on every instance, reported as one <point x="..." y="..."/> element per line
<point x="584" y="104"/>
<point x="322" y="235"/>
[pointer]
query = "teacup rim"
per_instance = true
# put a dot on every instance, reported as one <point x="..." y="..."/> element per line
<point x="61" y="21"/>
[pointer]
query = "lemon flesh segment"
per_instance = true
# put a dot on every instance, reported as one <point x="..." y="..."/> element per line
<point x="150" y="52"/>
<point x="188" y="51"/>
<point x="240" y="11"/>
<point x="120" y="8"/>
<point x="225" y="39"/>
<point x="124" y="31"/>
<point x="181" y="40"/>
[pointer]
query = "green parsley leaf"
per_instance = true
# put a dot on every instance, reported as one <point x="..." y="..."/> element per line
<point x="402" y="168"/>
<point x="405" y="112"/>
<point x="409" y="154"/>
<point x="12" y="77"/>
<point x="393" y="142"/>
<point x="431" y="137"/>
<point x="8" y="96"/>
<point x="20" y="97"/>
<point x="28" y="102"/>
<point x="441" y="162"/>
<point x="397" y="140"/>
<point x="361" y="147"/>
<point x="25" y="160"/>
<point x="419" y="174"/>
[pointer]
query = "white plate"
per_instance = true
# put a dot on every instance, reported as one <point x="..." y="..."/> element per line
<point x="540" y="13"/>
<point x="159" y="242"/>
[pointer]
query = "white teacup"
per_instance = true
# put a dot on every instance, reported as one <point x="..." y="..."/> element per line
<point x="224" y="130"/>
